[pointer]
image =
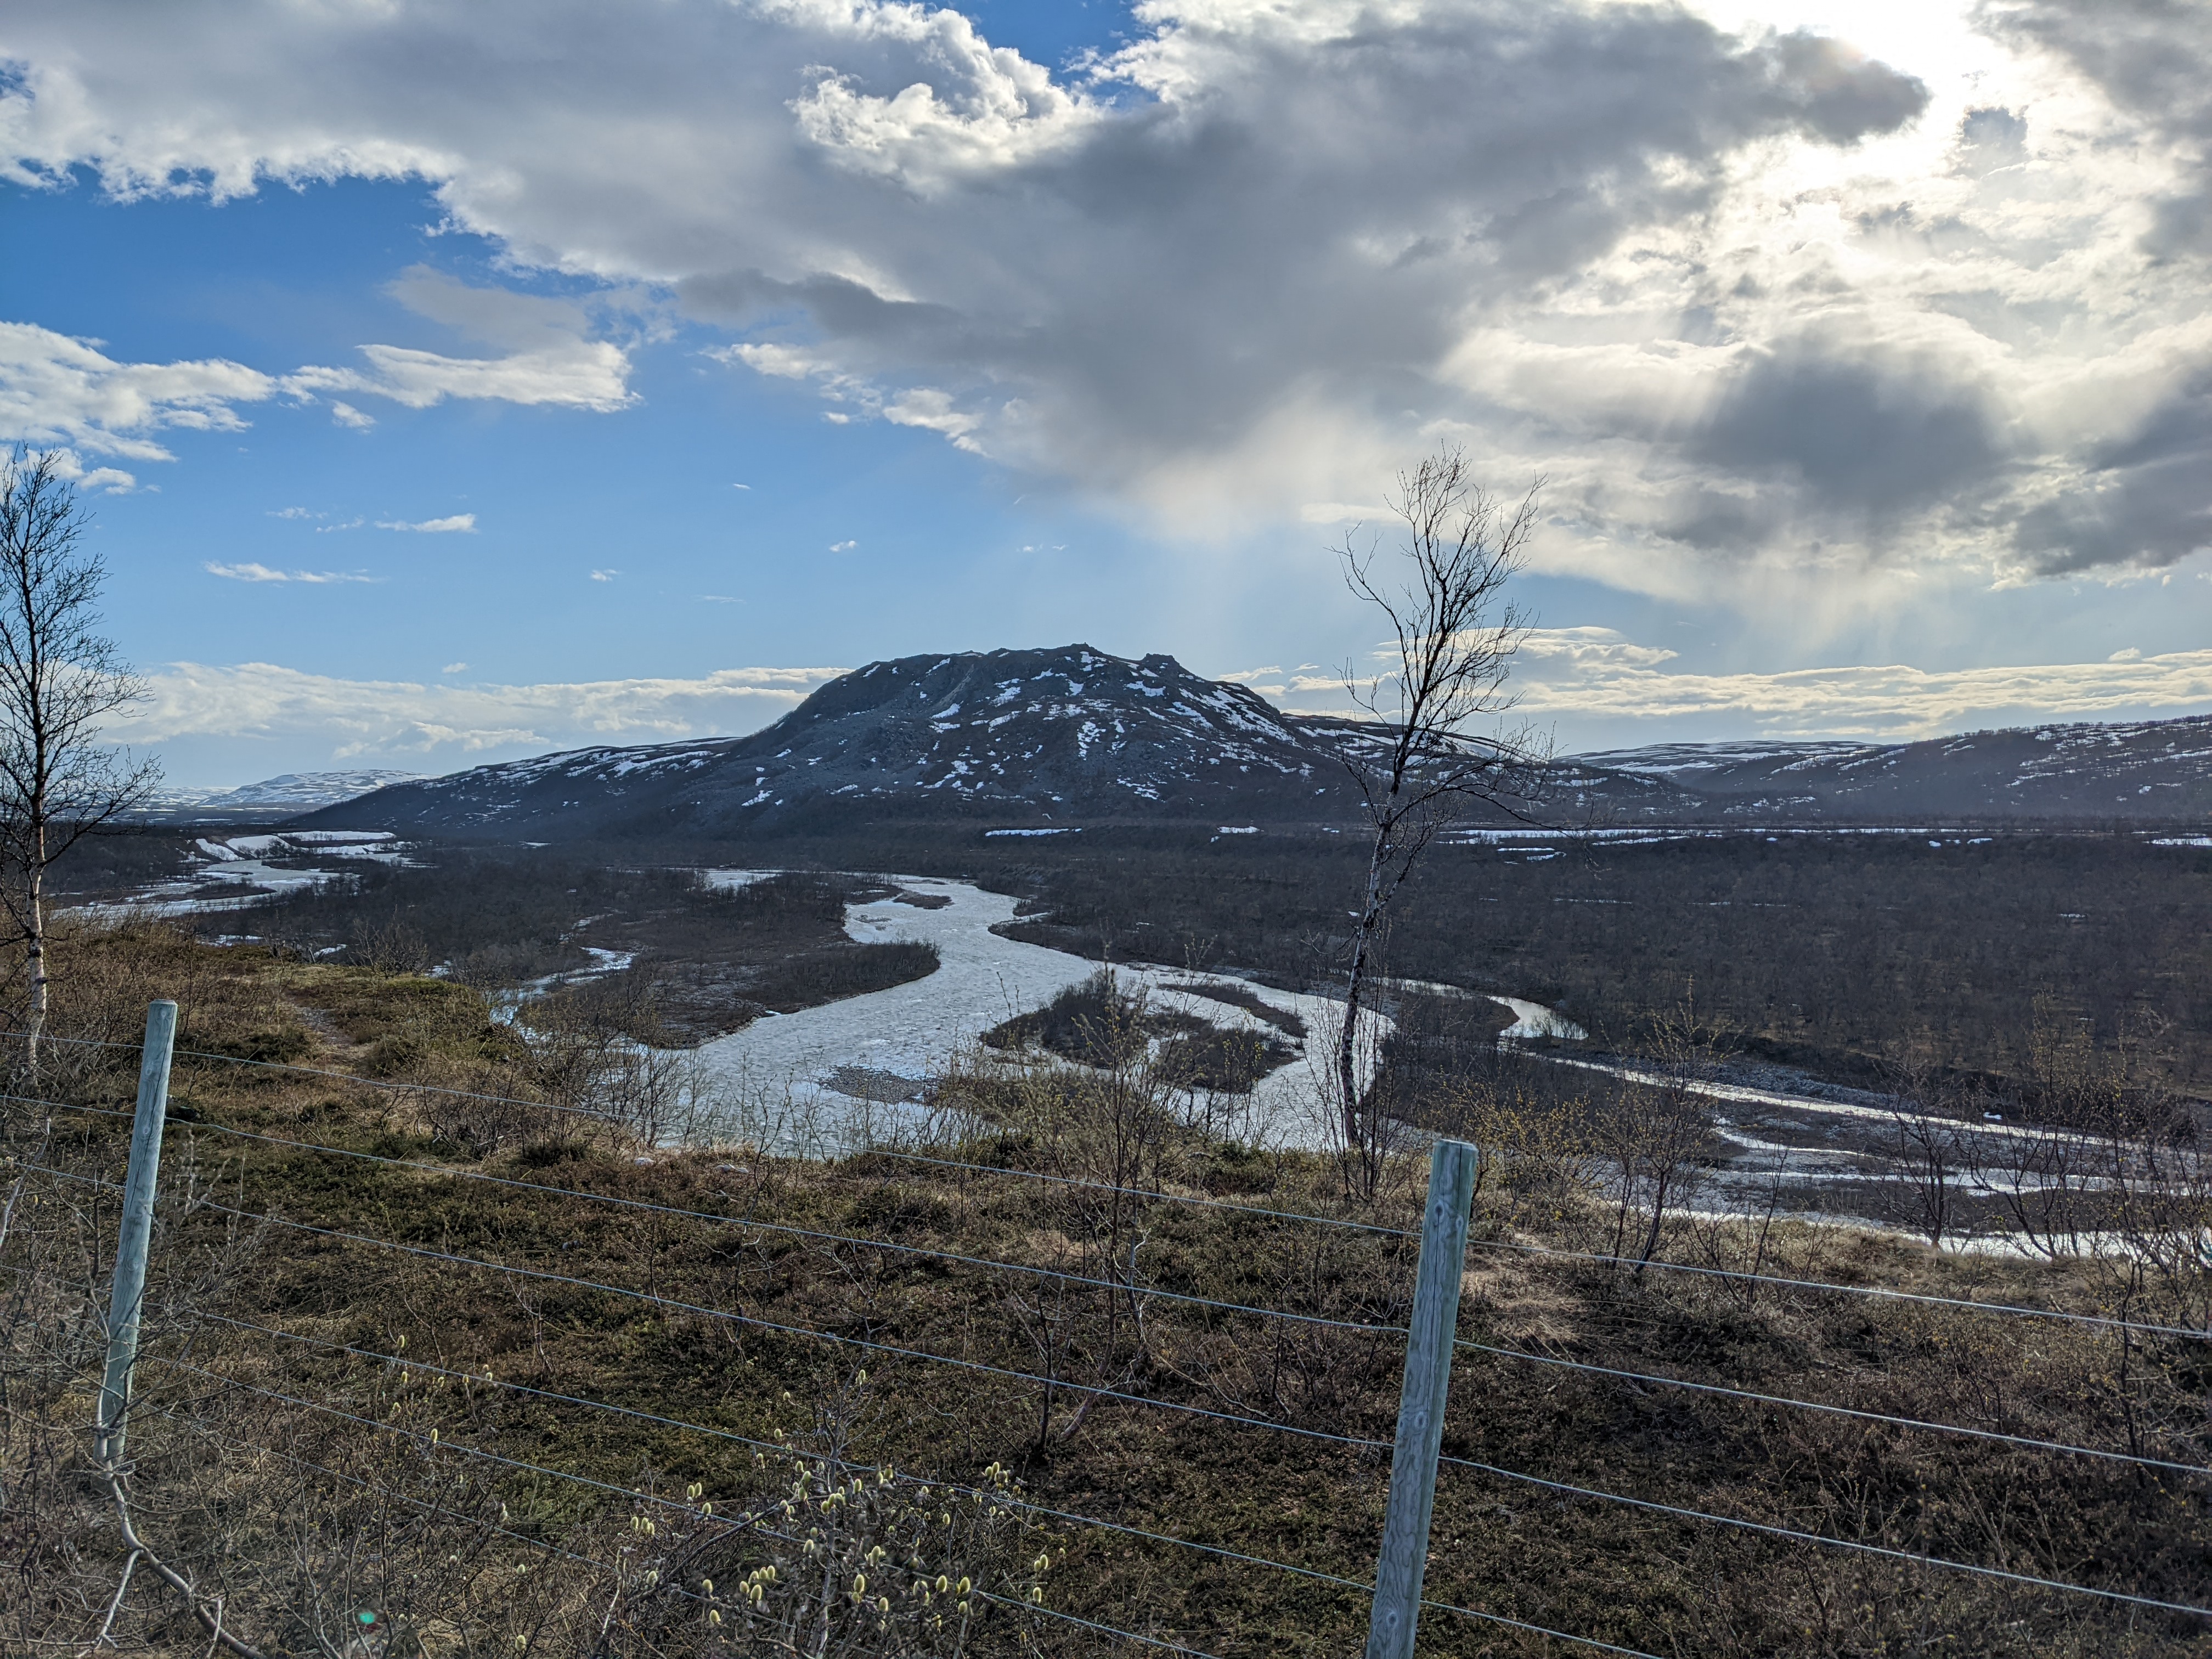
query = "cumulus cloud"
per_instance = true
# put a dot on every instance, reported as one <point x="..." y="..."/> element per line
<point x="460" y="524"/>
<point x="1748" y="299"/>
<point x="400" y="720"/>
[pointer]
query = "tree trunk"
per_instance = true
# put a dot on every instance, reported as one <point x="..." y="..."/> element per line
<point x="1348" y="1063"/>
<point x="34" y="921"/>
<point x="1658" y="1218"/>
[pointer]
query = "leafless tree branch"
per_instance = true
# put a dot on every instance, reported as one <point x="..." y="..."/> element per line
<point x="1453" y="635"/>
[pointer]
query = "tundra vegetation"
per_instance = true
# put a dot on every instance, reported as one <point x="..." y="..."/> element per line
<point x="436" y="1366"/>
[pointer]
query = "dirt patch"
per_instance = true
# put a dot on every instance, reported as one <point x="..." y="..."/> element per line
<point x="884" y="1088"/>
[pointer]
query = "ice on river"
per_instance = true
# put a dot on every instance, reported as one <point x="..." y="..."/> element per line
<point x="236" y="872"/>
<point x="1534" y="1019"/>
<point x="846" y="1066"/>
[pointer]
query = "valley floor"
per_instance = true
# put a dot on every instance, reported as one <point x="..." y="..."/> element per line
<point x="858" y="1068"/>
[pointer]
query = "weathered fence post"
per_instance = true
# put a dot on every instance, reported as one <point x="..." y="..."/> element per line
<point x="126" y="1298"/>
<point x="1404" y="1554"/>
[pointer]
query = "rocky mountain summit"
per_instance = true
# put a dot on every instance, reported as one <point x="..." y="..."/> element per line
<point x="1058" y="739"/>
<point x="1023" y="737"/>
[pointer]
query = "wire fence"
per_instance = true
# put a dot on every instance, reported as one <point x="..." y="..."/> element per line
<point x="1156" y="1195"/>
<point x="834" y="1242"/>
<point x="1150" y="1292"/>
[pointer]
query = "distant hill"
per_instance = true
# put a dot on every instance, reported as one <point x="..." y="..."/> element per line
<point x="281" y="797"/>
<point x="2157" y="771"/>
<point x="1071" y="736"/>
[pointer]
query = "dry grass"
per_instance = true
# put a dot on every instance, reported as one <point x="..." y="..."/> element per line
<point x="295" y="1516"/>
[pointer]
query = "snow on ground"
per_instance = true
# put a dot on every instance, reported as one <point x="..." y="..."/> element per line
<point x="239" y="874"/>
<point x="1534" y="1019"/>
<point x="842" y="1065"/>
<point x="733" y="881"/>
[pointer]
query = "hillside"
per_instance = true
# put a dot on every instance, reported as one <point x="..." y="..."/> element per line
<point x="2150" y="770"/>
<point x="458" y="1340"/>
<point x="1047" y="738"/>
<point x="1015" y="736"/>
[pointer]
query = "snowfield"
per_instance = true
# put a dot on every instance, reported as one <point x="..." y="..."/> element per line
<point x="842" y="1067"/>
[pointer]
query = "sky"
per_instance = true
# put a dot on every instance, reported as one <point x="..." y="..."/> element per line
<point x="449" y="383"/>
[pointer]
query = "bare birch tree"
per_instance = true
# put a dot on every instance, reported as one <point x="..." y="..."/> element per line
<point x="1454" y="633"/>
<point x="60" y="677"/>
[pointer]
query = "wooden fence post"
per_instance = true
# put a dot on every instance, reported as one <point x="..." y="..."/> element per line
<point x="126" y="1298"/>
<point x="1404" y="1554"/>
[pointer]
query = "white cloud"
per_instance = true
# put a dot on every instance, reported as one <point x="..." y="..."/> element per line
<point x="1770" y="314"/>
<point x="590" y="375"/>
<point x="261" y="573"/>
<point x="1595" y="673"/>
<point x="454" y="668"/>
<point x="550" y="358"/>
<point x="354" y="720"/>
<point x="56" y="390"/>
<point x="460" y="524"/>
<point x="843" y="547"/>
<point x="604" y="575"/>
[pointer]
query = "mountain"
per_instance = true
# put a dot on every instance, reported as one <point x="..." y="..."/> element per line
<point x="2157" y="770"/>
<point x="1022" y="737"/>
<point x="1054" y="739"/>
<point x="284" y="796"/>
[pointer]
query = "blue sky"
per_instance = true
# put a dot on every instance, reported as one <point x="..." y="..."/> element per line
<point x="433" y="412"/>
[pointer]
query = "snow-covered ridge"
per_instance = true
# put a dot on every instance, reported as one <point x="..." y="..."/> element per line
<point x="1049" y="739"/>
<point x="1051" y="733"/>
<point x="2086" y="772"/>
<point x="297" y="791"/>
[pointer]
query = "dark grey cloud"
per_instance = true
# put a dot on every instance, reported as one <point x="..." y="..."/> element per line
<point x="1867" y="440"/>
<point x="1277" y="212"/>
<point x="2145" y="500"/>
